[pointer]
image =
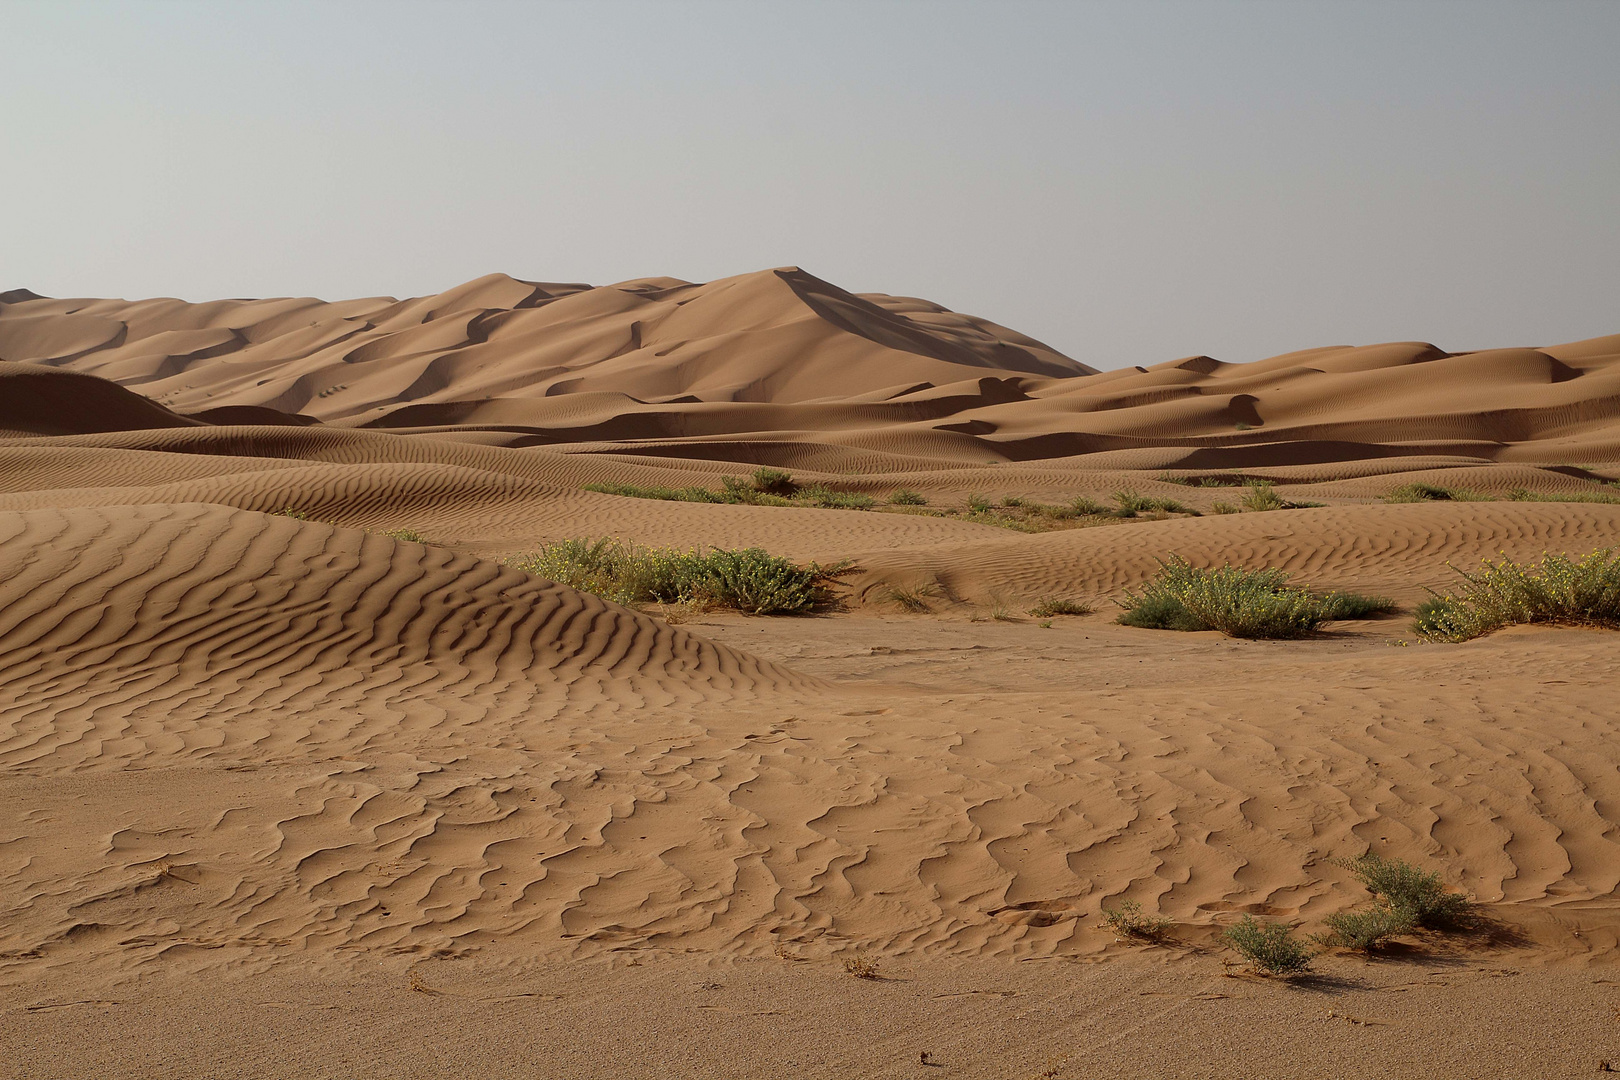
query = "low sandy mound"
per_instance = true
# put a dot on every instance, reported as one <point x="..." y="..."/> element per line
<point x="38" y="400"/>
<point x="1395" y="550"/>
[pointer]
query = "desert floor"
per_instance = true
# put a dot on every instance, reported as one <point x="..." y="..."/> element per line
<point x="298" y="777"/>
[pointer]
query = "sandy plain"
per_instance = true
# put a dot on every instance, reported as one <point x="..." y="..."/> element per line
<point x="284" y="795"/>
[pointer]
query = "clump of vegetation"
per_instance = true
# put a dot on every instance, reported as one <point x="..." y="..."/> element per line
<point x="861" y="967"/>
<point x="1408" y="493"/>
<point x="1057" y="605"/>
<point x="907" y="497"/>
<point x="1263" y="496"/>
<point x="409" y="536"/>
<point x="1410" y="893"/>
<point x="1130" y="921"/>
<point x="1505" y="593"/>
<point x="1270" y="948"/>
<point x="914" y="598"/>
<point x="749" y="580"/>
<point x="291" y="512"/>
<point x="1365" y="931"/>
<point x="1237" y="602"/>
<point x="769" y="481"/>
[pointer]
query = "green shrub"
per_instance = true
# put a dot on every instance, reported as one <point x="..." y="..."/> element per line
<point x="1056" y="605"/>
<point x="1129" y="921"/>
<point x="1506" y="593"/>
<point x="1227" y="508"/>
<point x="1415" y="894"/>
<point x="1237" y="602"/>
<point x="1089" y="507"/>
<point x="1263" y="496"/>
<point x="769" y="481"/>
<point x="409" y="536"/>
<point x="1269" y="947"/>
<point x="978" y="504"/>
<point x="1366" y="930"/>
<point x="1160" y="612"/>
<point x="748" y="580"/>
<point x="907" y="497"/>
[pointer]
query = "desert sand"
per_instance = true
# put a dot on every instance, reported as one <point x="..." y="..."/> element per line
<point x="284" y="795"/>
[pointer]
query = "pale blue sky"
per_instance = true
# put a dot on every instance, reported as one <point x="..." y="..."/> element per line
<point x="1130" y="182"/>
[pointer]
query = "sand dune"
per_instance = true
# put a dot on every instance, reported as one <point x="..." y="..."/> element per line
<point x="245" y="732"/>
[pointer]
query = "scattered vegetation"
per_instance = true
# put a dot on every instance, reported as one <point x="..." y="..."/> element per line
<point x="749" y="580"/>
<point x="1237" y="602"/>
<point x="907" y="497"/>
<point x="409" y="536"/>
<point x="765" y="487"/>
<point x="1505" y="593"/>
<point x="1411" y="893"/>
<point x="1130" y="921"/>
<point x="1270" y="948"/>
<point x="1057" y="605"/>
<point x="1526" y="495"/>
<point x="1207" y="480"/>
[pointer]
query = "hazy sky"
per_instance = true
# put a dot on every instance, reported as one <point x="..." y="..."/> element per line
<point x="1129" y="182"/>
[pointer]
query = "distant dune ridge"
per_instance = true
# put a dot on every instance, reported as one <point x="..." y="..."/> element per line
<point x="240" y="721"/>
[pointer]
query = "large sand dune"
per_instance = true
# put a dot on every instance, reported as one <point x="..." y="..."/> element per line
<point x="243" y="730"/>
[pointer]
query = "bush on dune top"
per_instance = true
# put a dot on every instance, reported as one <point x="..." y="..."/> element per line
<point x="1505" y="593"/>
<point x="749" y="580"/>
<point x="1238" y="602"/>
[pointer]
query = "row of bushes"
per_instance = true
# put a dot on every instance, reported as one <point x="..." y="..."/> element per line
<point x="1261" y="604"/>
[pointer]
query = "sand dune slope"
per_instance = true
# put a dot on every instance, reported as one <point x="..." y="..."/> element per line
<point x="230" y="738"/>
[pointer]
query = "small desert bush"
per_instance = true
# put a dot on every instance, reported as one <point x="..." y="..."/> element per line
<point x="749" y="580"/>
<point x="912" y="598"/>
<point x="1130" y="921"/>
<point x="1057" y="605"/>
<point x="907" y="497"/>
<point x="861" y="967"/>
<point x="1366" y="930"/>
<point x="1262" y="495"/>
<point x="1506" y="593"/>
<point x="1237" y="602"/>
<point x="1410" y="892"/>
<point x="769" y="481"/>
<point x="409" y="536"/>
<point x="978" y="504"/>
<point x="1408" y="493"/>
<point x="1271" y="948"/>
